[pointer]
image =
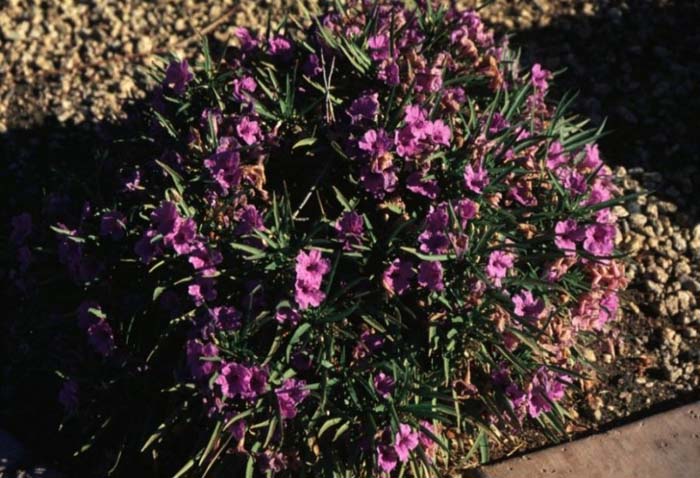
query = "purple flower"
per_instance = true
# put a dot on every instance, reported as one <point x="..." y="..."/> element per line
<point x="476" y="179"/>
<point x="21" y="228"/>
<point x="307" y="294"/>
<point x="364" y="108"/>
<point x="379" y="47"/>
<point x="527" y="306"/>
<point x="247" y="41"/>
<point x="183" y="239"/>
<point x="498" y="123"/>
<point x="572" y="180"/>
<point x="405" y="441"/>
<point x="388" y="72"/>
<point x="146" y="248"/>
<point x="101" y="338"/>
<point x="243" y="88"/>
<point x="608" y="309"/>
<point x="226" y="317"/>
<point x="248" y="131"/>
<point x="287" y="315"/>
<point x="592" y="158"/>
<point x="539" y="77"/>
<point x="312" y="66"/>
<point x="202" y="290"/>
<point x="204" y="259"/>
<point x="568" y="233"/>
<point x="430" y="276"/>
<point x="440" y="133"/>
<point x="177" y="76"/>
<point x="249" y="220"/>
<point x="290" y="395"/>
<point x="68" y="395"/>
<point x="350" y="228"/>
<point x="165" y="218"/>
<point x="599" y="239"/>
<point x="375" y="142"/>
<point x="396" y="278"/>
<point x="311" y="267"/>
<point x="384" y="384"/>
<point x="234" y="380"/>
<point x="271" y="462"/>
<point x="499" y="264"/>
<point x="225" y="168"/>
<point x="416" y="183"/>
<point x="387" y="458"/>
<point x="556" y="156"/>
<point x="466" y="209"/>
<point x="258" y="382"/>
<point x="545" y="388"/>
<point x="196" y="351"/>
<point x="280" y="47"/>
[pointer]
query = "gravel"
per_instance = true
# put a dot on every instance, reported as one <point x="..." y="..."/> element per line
<point x="635" y="63"/>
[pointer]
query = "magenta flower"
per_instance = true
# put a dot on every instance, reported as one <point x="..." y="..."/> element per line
<point x="225" y="168"/>
<point x="290" y="395"/>
<point x="387" y="458"/>
<point x="397" y="277"/>
<point x="440" y="133"/>
<point x="430" y="276"/>
<point x="280" y="47"/>
<point x="226" y="318"/>
<point x="527" y="306"/>
<point x="202" y="290"/>
<point x="183" y="239"/>
<point x="499" y="264"/>
<point x="466" y="209"/>
<point x="539" y="77"/>
<point x="196" y="351"/>
<point x="568" y="233"/>
<point x="600" y="239"/>
<point x="545" y="388"/>
<point x="556" y="156"/>
<point x="591" y="160"/>
<point x="146" y="248"/>
<point x="248" y="130"/>
<point x="416" y="183"/>
<point x="311" y="267"/>
<point x="243" y="88"/>
<point x="249" y="220"/>
<point x="350" y="228"/>
<point x="287" y="315"/>
<point x="234" y="380"/>
<point x="379" y="47"/>
<point x="248" y="42"/>
<point x="364" y="108"/>
<point x="307" y="294"/>
<point x="165" y="218"/>
<point x="384" y="384"/>
<point x="476" y="179"/>
<point x="178" y="76"/>
<point x="405" y="441"/>
<point x="375" y="142"/>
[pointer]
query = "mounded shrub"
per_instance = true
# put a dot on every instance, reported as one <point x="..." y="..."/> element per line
<point x="339" y="249"/>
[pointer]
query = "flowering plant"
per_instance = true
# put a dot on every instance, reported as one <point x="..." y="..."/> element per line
<point x="336" y="249"/>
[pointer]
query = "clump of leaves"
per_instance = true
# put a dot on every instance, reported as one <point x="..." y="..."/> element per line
<point x="335" y="249"/>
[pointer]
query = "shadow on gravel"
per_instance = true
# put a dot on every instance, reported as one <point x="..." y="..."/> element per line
<point x="65" y="160"/>
<point x="639" y="67"/>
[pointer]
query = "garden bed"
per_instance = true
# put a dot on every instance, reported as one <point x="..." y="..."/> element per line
<point x="654" y="361"/>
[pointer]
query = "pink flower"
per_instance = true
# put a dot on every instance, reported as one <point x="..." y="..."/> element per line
<point x="476" y="179"/>
<point x="311" y="267"/>
<point x="556" y="156"/>
<point x="350" y="228"/>
<point x="430" y="276"/>
<point x="466" y="209"/>
<point x="307" y="294"/>
<point x="405" y="441"/>
<point x="440" y="133"/>
<point x="527" y="306"/>
<point x="600" y="239"/>
<point x="539" y="77"/>
<point x="290" y="395"/>
<point x="568" y="233"/>
<point x="364" y="108"/>
<point x="248" y="131"/>
<point x="384" y="384"/>
<point x="499" y="264"/>
<point x="387" y="459"/>
<point x="287" y="315"/>
<point x="397" y="277"/>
